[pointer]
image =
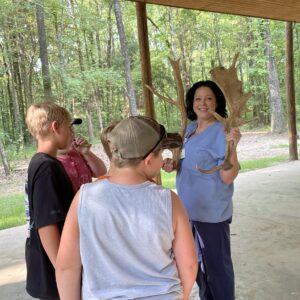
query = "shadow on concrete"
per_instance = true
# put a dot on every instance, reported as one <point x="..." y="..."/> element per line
<point x="14" y="291"/>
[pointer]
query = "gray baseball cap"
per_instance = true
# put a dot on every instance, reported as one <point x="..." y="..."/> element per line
<point x="138" y="136"/>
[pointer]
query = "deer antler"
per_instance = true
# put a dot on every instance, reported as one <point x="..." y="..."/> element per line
<point x="179" y="103"/>
<point x="236" y="100"/>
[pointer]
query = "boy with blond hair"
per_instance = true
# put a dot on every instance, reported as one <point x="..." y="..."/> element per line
<point x="50" y="194"/>
<point x="126" y="237"/>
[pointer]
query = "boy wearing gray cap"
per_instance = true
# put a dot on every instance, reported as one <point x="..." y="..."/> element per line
<point x="126" y="237"/>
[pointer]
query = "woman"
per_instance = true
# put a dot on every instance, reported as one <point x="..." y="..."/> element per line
<point x="208" y="197"/>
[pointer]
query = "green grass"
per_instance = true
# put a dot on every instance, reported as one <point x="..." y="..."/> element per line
<point x="12" y="211"/>
<point x="252" y="127"/>
<point x="249" y="165"/>
<point x="12" y="206"/>
<point x="168" y="179"/>
<point x="279" y="146"/>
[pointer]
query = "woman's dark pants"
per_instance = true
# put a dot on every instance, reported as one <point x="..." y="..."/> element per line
<point x="217" y="283"/>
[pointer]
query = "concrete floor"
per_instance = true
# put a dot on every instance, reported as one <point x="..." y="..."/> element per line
<point x="265" y="239"/>
<point x="266" y="233"/>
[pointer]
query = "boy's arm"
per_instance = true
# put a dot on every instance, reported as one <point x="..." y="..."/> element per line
<point x="96" y="164"/>
<point x="68" y="263"/>
<point x="50" y="237"/>
<point x="184" y="247"/>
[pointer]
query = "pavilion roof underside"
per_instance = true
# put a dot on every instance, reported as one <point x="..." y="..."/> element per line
<point x="284" y="10"/>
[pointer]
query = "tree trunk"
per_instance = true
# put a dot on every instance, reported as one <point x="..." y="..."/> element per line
<point x="59" y="29"/>
<point x="98" y="107"/>
<point x="141" y="14"/>
<point x="4" y="160"/>
<point x="217" y="39"/>
<point x="109" y="38"/>
<point x="277" y="119"/>
<point x="124" y="49"/>
<point x="171" y="26"/>
<point x="98" y="47"/>
<point x="89" y="122"/>
<point x="92" y="46"/>
<point x="12" y="89"/>
<point x="43" y="49"/>
<point x="82" y="66"/>
<point x="290" y="92"/>
<point x="86" y="48"/>
<point x="78" y="41"/>
<point x="186" y="77"/>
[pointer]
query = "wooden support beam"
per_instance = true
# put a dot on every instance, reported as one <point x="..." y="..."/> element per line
<point x="141" y="15"/>
<point x="290" y="92"/>
<point x="284" y="10"/>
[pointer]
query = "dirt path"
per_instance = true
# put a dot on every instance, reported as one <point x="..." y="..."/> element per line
<point x="259" y="145"/>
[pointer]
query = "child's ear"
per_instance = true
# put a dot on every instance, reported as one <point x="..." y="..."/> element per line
<point x="54" y="126"/>
<point x="148" y="159"/>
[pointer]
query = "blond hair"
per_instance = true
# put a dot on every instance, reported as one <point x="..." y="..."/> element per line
<point x="40" y="116"/>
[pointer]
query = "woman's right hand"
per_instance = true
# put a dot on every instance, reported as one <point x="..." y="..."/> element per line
<point x="168" y="165"/>
<point x="81" y="145"/>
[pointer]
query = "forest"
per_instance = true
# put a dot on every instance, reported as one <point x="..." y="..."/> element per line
<point x="84" y="54"/>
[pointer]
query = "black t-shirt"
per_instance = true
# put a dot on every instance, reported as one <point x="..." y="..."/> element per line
<point x="50" y="194"/>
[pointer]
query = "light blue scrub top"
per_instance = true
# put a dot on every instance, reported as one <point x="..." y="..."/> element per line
<point x="205" y="196"/>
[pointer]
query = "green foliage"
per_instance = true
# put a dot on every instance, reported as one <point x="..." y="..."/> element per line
<point x="14" y="154"/>
<point x="249" y="165"/>
<point x="12" y="210"/>
<point x="86" y="65"/>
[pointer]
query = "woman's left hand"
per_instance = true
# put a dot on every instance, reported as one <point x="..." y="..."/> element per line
<point x="234" y="135"/>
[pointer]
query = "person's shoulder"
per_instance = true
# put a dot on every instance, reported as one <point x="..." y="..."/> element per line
<point x="39" y="159"/>
<point x="219" y="125"/>
<point x="73" y="152"/>
<point x="218" y="128"/>
<point x="70" y="156"/>
<point x="191" y="126"/>
<point x="41" y="156"/>
<point x="43" y="162"/>
<point x="219" y="135"/>
<point x="96" y="186"/>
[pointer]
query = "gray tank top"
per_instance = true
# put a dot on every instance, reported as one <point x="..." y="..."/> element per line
<point x="126" y="239"/>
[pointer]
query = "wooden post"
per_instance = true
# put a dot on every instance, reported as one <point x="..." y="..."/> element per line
<point x="141" y="15"/>
<point x="290" y="92"/>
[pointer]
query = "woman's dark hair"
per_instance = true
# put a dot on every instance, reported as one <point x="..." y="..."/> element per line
<point x="220" y="99"/>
